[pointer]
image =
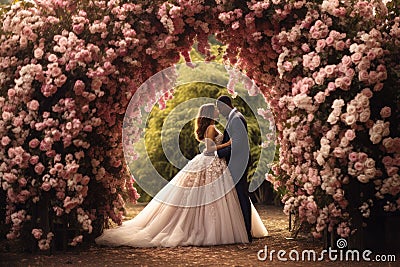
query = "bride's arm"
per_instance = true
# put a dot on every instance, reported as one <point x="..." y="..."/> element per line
<point x="209" y="138"/>
<point x="221" y="146"/>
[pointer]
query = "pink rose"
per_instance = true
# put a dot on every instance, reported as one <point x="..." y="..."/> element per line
<point x="34" y="143"/>
<point x="305" y="48"/>
<point x="11" y="93"/>
<point x="338" y="152"/>
<point x="79" y="87"/>
<point x="78" y="28"/>
<point x="350" y="134"/>
<point x="320" y="45"/>
<point x="346" y="60"/>
<point x="339" y="45"/>
<point x="370" y="172"/>
<point x="331" y="86"/>
<point x="52" y="171"/>
<point x="369" y="163"/>
<point x="362" y="156"/>
<point x="51" y="153"/>
<point x="85" y="180"/>
<point x="319" y="97"/>
<point x="359" y="166"/>
<point x="329" y="40"/>
<point x="38" y="53"/>
<point x="364" y="116"/>
<point x="353" y="156"/>
<point x="9" y="177"/>
<point x="22" y="182"/>
<point x="6" y="115"/>
<point x="375" y="138"/>
<point x="392" y="170"/>
<point x="386" y="112"/>
<point x="37" y="233"/>
<point x="46" y="186"/>
<point x="52" y="58"/>
<point x="33" y="105"/>
<point x="59" y="167"/>
<point x="5" y="140"/>
<point x="387" y="161"/>
<point x="34" y="160"/>
<point x="350" y="119"/>
<point x="356" y="57"/>
<point x="363" y="178"/>
<point x="373" y="77"/>
<point x="371" y="55"/>
<point x="39" y="168"/>
<point x="367" y="92"/>
<point x="363" y="75"/>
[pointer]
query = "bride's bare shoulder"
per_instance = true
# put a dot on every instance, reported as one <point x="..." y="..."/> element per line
<point x="211" y="131"/>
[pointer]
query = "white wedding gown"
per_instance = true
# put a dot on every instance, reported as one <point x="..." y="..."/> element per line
<point x="198" y="207"/>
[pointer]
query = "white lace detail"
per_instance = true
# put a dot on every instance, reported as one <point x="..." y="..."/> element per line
<point x="218" y="139"/>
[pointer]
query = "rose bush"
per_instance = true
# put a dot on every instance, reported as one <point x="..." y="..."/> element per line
<point x="69" y="68"/>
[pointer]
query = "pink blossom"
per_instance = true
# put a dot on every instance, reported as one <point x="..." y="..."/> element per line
<point x="37" y="233"/>
<point x="367" y="92"/>
<point x="22" y="182"/>
<point x="46" y="186"/>
<point x="5" y="140"/>
<point x="33" y="105"/>
<point x="34" y="160"/>
<point x="85" y="180"/>
<point x="39" y="168"/>
<point x="350" y="134"/>
<point x="34" y="143"/>
<point x="356" y="57"/>
<point x="392" y="170"/>
<point x="52" y="58"/>
<point x="362" y="156"/>
<point x="359" y="166"/>
<point x="385" y="112"/>
<point x="11" y="93"/>
<point x="387" y="161"/>
<point x="38" y="53"/>
<point x="353" y="156"/>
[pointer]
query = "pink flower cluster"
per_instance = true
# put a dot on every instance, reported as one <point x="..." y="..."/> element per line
<point x="361" y="166"/>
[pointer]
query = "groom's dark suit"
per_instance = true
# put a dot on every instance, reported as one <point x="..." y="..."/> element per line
<point x="237" y="156"/>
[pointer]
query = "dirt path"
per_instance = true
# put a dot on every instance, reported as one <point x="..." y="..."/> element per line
<point x="226" y="255"/>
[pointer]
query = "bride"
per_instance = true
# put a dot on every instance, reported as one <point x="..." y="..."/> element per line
<point x="198" y="207"/>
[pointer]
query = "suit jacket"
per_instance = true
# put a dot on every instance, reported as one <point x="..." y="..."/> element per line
<point x="237" y="154"/>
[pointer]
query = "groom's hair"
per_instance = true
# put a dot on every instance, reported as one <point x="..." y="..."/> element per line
<point x="226" y="100"/>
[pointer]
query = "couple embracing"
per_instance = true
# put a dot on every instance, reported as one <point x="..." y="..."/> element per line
<point x="207" y="202"/>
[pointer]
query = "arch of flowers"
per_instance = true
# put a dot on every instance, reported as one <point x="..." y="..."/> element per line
<point x="69" y="68"/>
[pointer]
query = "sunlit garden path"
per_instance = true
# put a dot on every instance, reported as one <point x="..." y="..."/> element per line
<point x="227" y="255"/>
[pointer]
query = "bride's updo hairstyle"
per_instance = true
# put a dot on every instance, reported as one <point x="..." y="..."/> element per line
<point x="204" y="118"/>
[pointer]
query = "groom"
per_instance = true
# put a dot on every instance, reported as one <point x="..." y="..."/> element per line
<point x="237" y="155"/>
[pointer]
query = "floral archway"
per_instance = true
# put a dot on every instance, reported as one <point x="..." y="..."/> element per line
<point x="69" y="68"/>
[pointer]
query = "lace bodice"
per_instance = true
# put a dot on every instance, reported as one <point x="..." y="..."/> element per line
<point x="218" y="139"/>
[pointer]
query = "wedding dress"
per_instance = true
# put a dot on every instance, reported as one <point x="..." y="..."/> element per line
<point x="198" y="207"/>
